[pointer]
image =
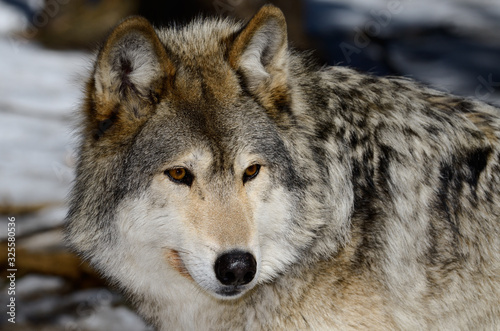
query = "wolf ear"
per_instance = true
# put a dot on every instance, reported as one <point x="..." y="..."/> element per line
<point x="260" y="52"/>
<point x="130" y="72"/>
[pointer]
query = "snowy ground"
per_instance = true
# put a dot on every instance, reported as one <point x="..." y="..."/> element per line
<point x="39" y="91"/>
<point x="454" y="45"/>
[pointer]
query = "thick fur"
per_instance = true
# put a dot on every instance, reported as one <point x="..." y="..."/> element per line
<point x="377" y="204"/>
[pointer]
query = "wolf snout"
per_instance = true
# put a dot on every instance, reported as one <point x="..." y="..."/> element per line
<point x="235" y="268"/>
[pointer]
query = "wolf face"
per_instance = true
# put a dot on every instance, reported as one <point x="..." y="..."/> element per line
<point x="209" y="210"/>
<point x="190" y="172"/>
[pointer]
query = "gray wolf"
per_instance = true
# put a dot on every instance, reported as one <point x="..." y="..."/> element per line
<point x="226" y="182"/>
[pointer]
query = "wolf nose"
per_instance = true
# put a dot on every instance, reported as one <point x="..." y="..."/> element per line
<point x="235" y="268"/>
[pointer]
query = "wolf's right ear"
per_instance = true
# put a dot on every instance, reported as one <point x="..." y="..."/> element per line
<point x="130" y="71"/>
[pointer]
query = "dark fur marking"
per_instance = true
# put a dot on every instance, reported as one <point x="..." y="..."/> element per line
<point x="282" y="105"/>
<point x="206" y="92"/>
<point x="465" y="106"/>
<point x="136" y="112"/>
<point x="356" y="94"/>
<point x="125" y="70"/>
<point x="387" y="155"/>
<point x="369" y="80"/>
<point x="242" y="82"/>
<point x="106" y="124"/>
<point x="476" y="162"/>
<point x="410" y="132"/>
<point x="432" y="253"/>
<point x="267" y="53"/>
<point x="343" y="96"/>
<point x="400" y="85"/>
<point x="433" y="130"/>
<point x="466" y="170"/>
<point x="353" y="140"/>
<point x="367" y="216"/>
<point x="324" y="130"/>
<point x="344" y="107"/>
<point x="367" y="213"/>
<point x="154" y="97"/>
<point x="341" y="77"/>
<point x="444" y="195"/>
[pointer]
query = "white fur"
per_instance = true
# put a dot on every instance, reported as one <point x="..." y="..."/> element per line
<point x="149" y="227"/>
<point x="274" y="221"/>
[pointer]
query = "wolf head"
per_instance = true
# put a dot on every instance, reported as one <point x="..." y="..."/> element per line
<point x="188" y="172"/>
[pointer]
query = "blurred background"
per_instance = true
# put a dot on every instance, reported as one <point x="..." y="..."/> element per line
<point x="45" y="53"/>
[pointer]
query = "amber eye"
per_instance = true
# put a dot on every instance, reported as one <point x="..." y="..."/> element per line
<point x="251" y="172"/>
<point x="177" y="173"/>
<point x="180" y="175"/>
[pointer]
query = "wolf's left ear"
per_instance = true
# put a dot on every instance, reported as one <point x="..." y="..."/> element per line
<point x="260" y="52"/>
<point x="130" y="72"/>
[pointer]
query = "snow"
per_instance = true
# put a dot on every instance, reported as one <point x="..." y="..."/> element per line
<point x="39" y="93"/>
<point x="49" y="79"/>
<point x="44" y="299"/>
<point x="10" y="19"/>
<point x="47" y="218"/>
<point x="113" y="319"/>
<point x="37" y="286"/>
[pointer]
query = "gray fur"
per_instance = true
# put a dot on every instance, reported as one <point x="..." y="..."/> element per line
<point x="391" y="189"/>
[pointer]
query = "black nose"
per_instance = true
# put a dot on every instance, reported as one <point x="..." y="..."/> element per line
<point x="235" y="268"/>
